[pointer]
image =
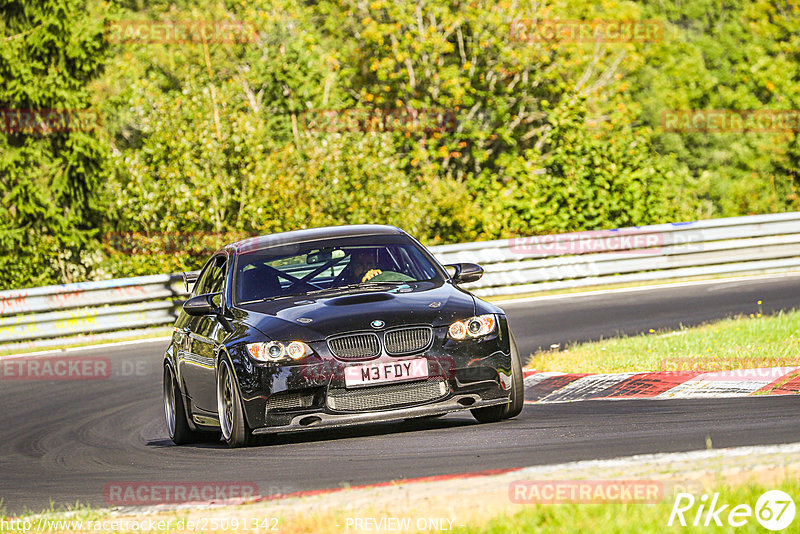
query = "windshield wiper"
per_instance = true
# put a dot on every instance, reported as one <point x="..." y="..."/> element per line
<point x="378" y="283"/>
<point x="274" y="297"/>
<point x="360" y="284"/>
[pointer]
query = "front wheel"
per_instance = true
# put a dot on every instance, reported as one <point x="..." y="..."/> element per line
<point x="491" y="414"/>
<point x="235" y="431"/>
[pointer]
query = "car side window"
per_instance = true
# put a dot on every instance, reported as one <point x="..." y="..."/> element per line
<point x="202" y="280"/>
<point x="217" y="279"/>
<point x="213" y="277"/>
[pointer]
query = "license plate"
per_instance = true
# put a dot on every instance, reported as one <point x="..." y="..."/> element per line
<point x="381" y="373"/>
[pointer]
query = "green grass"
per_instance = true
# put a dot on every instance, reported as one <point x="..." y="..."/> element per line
<point x="532" y="518"/>
<point x="639" y="518"/>
<point x="743" y="342"/>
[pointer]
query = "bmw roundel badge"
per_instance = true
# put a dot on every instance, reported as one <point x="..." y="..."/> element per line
<point x="377" y="323"/>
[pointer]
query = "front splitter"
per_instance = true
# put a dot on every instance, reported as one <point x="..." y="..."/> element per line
<point x="317" y="421"/>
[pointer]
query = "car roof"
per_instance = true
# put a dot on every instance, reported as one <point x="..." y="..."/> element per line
<point x="313" y="234"/>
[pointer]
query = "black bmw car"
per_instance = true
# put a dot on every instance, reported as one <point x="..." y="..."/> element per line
<point x="332" y="327"/>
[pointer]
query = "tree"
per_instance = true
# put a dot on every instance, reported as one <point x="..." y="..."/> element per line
<point x="52" y="158"/>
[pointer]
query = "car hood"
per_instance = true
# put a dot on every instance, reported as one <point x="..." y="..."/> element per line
<point x="315" y="317"/>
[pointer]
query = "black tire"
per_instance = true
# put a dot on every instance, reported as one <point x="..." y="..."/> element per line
<point x="491" y="414"/>
<point x="175" y="413"/>
<point x="232" y="423"/>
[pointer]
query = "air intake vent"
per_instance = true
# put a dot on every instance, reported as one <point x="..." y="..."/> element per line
<point x="289" y="401"/>
<point x="355" y="346"/>
<point x="408" y="340"/>
<point x="388" y="396"/>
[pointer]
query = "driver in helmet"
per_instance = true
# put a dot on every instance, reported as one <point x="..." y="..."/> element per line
<point x="362" y="267"/>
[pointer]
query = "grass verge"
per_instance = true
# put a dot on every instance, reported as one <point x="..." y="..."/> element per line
<point x="640" y="518"/>
<point x="607" y="517"/>
<point x="743" y="342"/>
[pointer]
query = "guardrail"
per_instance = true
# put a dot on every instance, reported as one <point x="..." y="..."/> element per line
<point x="751" y="244"/>
<point x="89" y="307"/>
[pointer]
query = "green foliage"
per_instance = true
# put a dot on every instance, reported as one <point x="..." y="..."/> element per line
<point x="52" y="181"/>
<point x="727" y="55"/>
<point x="311" y="122"/>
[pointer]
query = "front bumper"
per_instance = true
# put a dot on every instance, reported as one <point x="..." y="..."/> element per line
<point x="312" y="394"/>
<point x="322" y="420"/>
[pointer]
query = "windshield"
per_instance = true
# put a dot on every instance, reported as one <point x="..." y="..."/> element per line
<point x="320" y="266"/>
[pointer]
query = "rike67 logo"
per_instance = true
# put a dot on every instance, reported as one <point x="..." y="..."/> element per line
<point x="774" y="510"/>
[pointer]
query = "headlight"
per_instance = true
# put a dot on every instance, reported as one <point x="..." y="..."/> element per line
<point x="473" y="327"/>
<point x="275" y="351"/>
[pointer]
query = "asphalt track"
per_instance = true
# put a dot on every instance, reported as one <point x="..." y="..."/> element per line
<point x="65" y="441"/>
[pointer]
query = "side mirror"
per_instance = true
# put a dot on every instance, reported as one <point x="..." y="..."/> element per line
<point x="201" y="305"/>
<point x="465" y="272"/>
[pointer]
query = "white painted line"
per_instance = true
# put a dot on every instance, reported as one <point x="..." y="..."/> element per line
<point x="87" y="347"/>
<point x="627" y="463"/>
<point x="642" y="288"/>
